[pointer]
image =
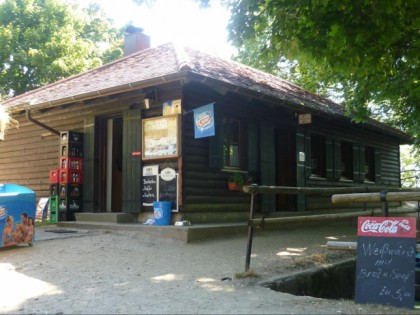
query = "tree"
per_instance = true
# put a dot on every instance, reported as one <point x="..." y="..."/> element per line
<point x="410" y="166"/>
<point x="43" y="41"/>
<point x="365" y="52"/>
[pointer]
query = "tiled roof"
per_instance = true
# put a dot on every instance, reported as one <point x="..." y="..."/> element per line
<point x="150" y="63"/>
<point x="159" y="63"/>
<point x="246" y="77"/>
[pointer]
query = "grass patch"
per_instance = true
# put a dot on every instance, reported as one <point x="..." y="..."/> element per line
<point x="247" y="274"/>
<point x="44" y="223"/>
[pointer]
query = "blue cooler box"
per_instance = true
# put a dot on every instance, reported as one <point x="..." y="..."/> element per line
<point x="17" y="215"/>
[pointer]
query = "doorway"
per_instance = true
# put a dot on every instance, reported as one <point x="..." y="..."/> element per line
<point x="286" y="167"/>
<point x="110" y="139"/>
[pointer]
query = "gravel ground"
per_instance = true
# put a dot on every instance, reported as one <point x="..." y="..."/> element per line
<point x="119" y="272"/>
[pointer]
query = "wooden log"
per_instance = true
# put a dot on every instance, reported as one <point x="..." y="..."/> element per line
<point x="350" y="246"/>
<point x="321" y="217"/>
<point x="320" y="191"/>
<point x="307" y="218"/>
<point x="337" y="245"/>
<point x="253" y="189"/>
<point x="370" y="197"/>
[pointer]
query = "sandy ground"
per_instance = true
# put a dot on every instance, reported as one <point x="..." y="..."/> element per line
<point x="118" y="272"/>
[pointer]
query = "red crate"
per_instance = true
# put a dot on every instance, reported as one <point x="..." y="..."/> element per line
<point x="71" y="177"/>
<point x="70" y="163"/>
<point x="54" y="176"/>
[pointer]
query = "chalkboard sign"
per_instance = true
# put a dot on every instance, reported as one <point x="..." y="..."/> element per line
<point x="385" y="263"/>
<point x="149" y="190"/>
<point x="168" y="191"/>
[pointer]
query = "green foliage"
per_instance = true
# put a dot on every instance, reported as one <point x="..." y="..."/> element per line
<point x="364" y="52"/>
<point x="237" y="178"/>
<point x="410" y="166"/>
<point x="43" y="41"/>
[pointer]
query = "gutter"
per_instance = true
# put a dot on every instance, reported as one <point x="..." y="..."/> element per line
<point x="42" y="125"/>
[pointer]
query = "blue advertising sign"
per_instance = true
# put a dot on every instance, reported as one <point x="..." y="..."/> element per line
<point x="204" y="121"/>
<point x="17" y="215"/>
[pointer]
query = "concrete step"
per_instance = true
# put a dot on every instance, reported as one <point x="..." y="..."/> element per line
<point x="185" y="234"/>
<point x="110" y="217"/>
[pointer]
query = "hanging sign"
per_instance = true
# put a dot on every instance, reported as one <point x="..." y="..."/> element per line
<point x="168" y="187"/>
<point x="171" y="107"/>
<point x="204" y="121"/>
<point x="385" y="262"/>
<point x="304" y="119"/>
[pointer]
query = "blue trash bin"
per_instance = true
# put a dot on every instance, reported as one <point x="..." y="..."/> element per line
<point x="17" y="214"/>
<point x="162" y="212"/>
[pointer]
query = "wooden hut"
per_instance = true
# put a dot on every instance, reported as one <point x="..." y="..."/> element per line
<point x="137" y="119"/>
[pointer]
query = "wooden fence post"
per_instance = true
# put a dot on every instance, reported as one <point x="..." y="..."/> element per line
<point x="254" y="192"/>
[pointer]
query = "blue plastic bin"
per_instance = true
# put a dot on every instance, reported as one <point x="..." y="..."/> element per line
<point x="15" y="202"/>
<point x="162" y="212"/>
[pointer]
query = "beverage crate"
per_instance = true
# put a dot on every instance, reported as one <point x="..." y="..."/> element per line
<point x="54" y="202"/>
<point x="54" y="176"/>
<point x="53" y="216"/>
<point x="71" y="163"/>
<point x="54" y="189"/>
<point x="70" y="190"/>
<point x="71" y="215"/>
<point x="71" y="137"/>
<point x="72" y="150"/>
<point x="69" y="203"/>
<point x="62" y="215"/>
<point x="70" y="177"/>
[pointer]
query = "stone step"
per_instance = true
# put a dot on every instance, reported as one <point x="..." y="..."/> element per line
<point x="110" y="217"/>
<point x="185" y="234"/>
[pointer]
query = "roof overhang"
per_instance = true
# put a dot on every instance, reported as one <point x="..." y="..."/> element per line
<point x="188" y="76"/>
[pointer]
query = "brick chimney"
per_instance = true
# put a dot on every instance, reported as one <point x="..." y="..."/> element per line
<point x="135" y="40"/>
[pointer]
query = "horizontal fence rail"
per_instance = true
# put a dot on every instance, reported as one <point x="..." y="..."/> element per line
<point x="372" y="197"/>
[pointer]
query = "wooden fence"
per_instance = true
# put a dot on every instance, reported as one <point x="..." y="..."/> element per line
<point x="338" y="194"/>
<point x="383" y="197"/>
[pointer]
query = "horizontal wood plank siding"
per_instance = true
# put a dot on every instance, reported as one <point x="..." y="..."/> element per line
<point x="30" y="152"/>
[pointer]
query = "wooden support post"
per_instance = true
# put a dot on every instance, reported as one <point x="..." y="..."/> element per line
<point x="250" y="229"/>
<point x="384" y="202"/>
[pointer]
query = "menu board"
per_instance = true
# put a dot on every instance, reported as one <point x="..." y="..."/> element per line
<point x="149" y="185"/>
<point x="168" y="190"/>
<point x="159" y="187"/>
<point x="385" y="263"/>
<point x="161" y="137"/>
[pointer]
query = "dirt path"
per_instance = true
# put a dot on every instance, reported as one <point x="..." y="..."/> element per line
<point x="110" y="272"/>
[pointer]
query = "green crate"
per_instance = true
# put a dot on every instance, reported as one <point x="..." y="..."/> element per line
<point x="54" y="202"/>
<point x="53" y="216"/>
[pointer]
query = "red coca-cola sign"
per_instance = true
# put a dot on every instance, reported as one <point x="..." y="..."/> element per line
<point x="387" y="227"/>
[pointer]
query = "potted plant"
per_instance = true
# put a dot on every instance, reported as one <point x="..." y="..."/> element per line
<point x="236" y="181"/>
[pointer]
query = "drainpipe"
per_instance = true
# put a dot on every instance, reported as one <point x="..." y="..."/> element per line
<point x="28" y="115"/>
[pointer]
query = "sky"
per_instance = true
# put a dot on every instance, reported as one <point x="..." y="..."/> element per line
<point x="178" y="21"/>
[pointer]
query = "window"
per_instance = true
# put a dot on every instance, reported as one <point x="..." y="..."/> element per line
<point x="369" y="164"/>
<point x="318" y="156"/>
<point x="231" y="141"/>
<point x="346" y="160"/>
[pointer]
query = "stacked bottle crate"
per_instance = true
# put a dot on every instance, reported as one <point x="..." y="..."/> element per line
<point x="54" y="202"/>
<point x="71" y="174"/>
<point x="66" y="181"/>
